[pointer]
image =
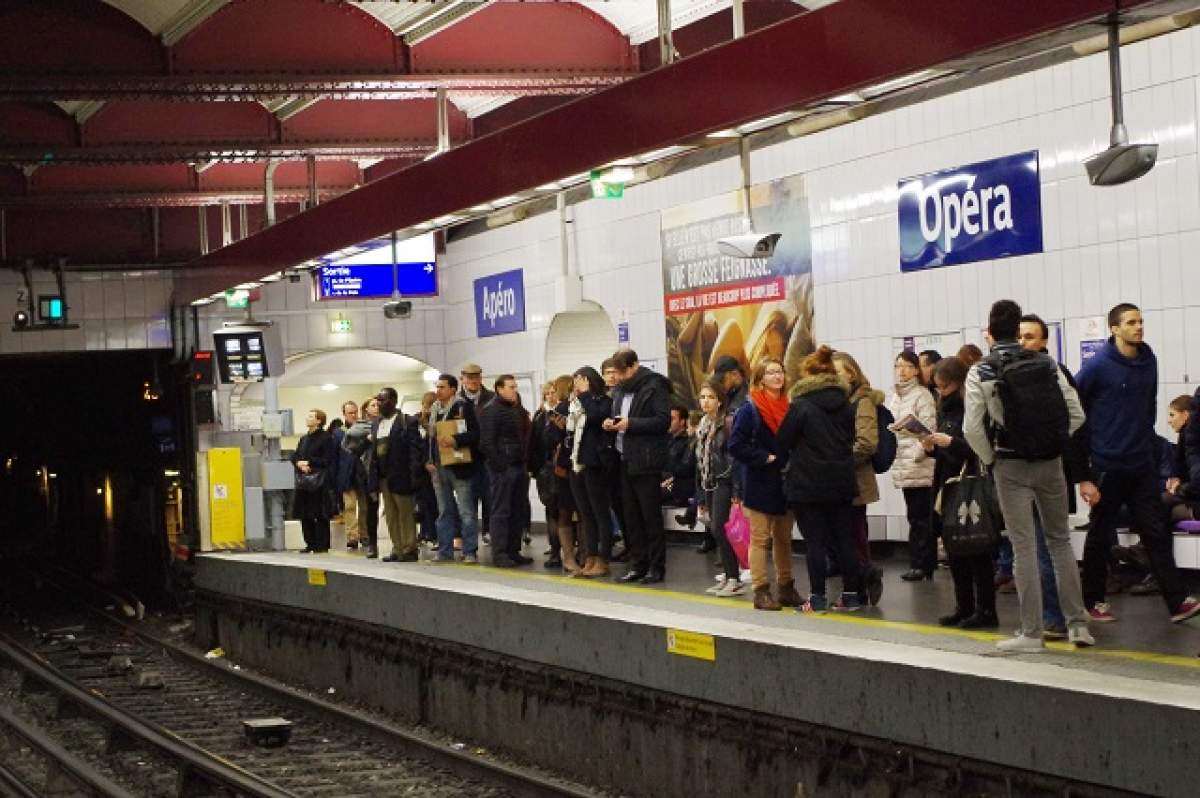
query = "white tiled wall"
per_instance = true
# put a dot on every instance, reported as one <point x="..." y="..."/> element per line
<point x="118" y="310"/>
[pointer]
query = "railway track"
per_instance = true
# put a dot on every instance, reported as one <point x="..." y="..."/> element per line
<point x="139" y="714"/>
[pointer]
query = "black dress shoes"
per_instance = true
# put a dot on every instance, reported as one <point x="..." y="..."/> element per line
<point x="372" y="552"/>
<point x="632" y="576"/>
<point x="980" y="619"/>
<point x="915" y="575"/>
<point x="652" y="577"/>
<point x="501" y="561"/>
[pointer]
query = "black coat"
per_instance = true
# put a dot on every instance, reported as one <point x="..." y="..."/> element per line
<point x="950" y="459"/>
<point x="461" y="409"/>
<point x="681" y="467"/>
<point x="501" y="439"/>
<point x="818" y="433"/>
<point x="646" y="440"/>
<point x="318" y="449"/>
<point x="595" y="441"/>
<point x="405" y="456"/>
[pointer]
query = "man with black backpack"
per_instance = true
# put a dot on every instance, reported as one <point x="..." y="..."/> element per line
<point x="1119" y="389"/>
<point x="1020" y="413"/>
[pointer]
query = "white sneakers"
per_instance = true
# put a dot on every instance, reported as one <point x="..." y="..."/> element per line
<point x="727" y="588"/>
<point x="1025" y="644"/>
<point x="1022" y="644"/>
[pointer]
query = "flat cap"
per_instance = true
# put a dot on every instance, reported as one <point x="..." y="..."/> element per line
<point x="471" y="368"/>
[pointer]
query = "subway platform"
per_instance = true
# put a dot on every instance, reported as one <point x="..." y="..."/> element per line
<point x="1121" y="715"/>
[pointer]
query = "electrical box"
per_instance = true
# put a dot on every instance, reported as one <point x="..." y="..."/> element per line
<point x="278" y="475"/>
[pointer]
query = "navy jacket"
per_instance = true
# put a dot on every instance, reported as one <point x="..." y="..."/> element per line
<point x="750" y="444"/>
<point x="596" y="408"/>
<point x="1120" y="397"/>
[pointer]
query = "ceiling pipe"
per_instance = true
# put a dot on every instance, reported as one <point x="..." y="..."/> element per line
<point x="202" y="212"/>
<point x="269" y="190"/>
<point x="739" y="19"/>
<point x="666" y="41"/>
<point x="311" y="162"/>
<point x="226" y="225"/>
<point x="443" y="121"/>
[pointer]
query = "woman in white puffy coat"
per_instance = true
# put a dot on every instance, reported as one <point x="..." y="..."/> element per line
<point x="913" y="470"/>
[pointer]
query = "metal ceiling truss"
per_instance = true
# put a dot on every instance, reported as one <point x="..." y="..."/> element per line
<point x="212" y="152"/>
<point x="166" y="199"/>
<point x="238" y="87"/>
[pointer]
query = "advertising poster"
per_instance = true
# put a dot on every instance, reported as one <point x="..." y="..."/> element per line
<point x="748" y="308"/>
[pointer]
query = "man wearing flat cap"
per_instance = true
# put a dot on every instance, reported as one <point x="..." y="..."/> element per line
<point x="471" y="390"/>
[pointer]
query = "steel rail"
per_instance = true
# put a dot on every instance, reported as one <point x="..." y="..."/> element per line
<point x="194" y="762"/>
<point x="68" y="765"/>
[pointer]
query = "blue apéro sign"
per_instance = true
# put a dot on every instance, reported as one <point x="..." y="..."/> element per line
<point x="991" y="209"/>
<point x="500" y="304"/>
<point x="374" y="280"/>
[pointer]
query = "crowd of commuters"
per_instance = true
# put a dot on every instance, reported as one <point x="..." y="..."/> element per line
<point x="609" y="449"/>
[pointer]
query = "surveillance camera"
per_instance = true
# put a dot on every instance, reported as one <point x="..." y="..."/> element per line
<point x="749" y="245"/>
<point x="400" y="309"/>
<point x="293" y="277"/>
<point x="1120" y="163"/>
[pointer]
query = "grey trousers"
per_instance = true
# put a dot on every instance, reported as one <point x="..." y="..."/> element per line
<point x="1020" y="484"/>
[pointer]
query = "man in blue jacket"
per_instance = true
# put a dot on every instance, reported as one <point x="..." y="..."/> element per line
<point x="1119" y="391"/>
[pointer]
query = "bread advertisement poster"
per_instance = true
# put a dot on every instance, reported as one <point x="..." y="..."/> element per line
<point x="718" y="303"/>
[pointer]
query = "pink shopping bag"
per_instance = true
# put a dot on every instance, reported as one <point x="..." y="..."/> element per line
<point x="737" y="532"/>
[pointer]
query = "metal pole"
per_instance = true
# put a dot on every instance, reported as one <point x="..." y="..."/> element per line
<point x="744" y="163"/>
<point x="203" y="212"/>
<point x="395" y="267"/>
<point x="3" y="235"/>
<point x="443" y="120"/>
<point x="156" y="231"/>
<point x="226" y="225"/>
<point x="243" y="221"/>
<point x="739" y="19"/>
<point x="1118" y="135"/>
<point x="269" y="191"/>
<point x="312" y="181"/>
<point x="274" y="498"/>
<point x="666" y="44"/>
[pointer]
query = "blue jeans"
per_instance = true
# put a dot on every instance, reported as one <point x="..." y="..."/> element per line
<point x="1004" y="559"/>
<point x="1051" y="612"/>
<point x="462" y="508"/>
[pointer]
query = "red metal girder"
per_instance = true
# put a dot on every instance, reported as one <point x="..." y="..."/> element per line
<point x="549" y="35"/>
<point x="164" y="199"/>
<point x="344" y="174"/>
<point x="27" y="123"/>
<point x="148" y="122"/>
<point x="513" y="112"/>
<point x="388" y="166"/>
<point x="80" y="37"/>
<point x="78" y="233"/>
<point x="717" y="28"/>
<point x="228" y="86"/>
<point x="797" y="62"/>
<point x="275" y="35"/>
<point x="364" y="121"/>
<point x="200" y="152"/>
<point x="85" y="179"/>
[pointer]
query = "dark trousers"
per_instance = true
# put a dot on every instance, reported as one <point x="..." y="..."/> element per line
<point x="371" y="503"/>
<point x="825" y="527"/>
<point x="922" y="542"/>
<point x="862" y="543"/>
<point x="483" y="494"/>
<point x="1139" y="490"/>
<point x="316" y="533"/>
<point x="974" y="586"/>
<point x="590" y="488"/>
<point x="644" y="537"/>
<point x="613" y="474"/>
<point x="427" y="506"/>
<point x="506" y="515"/>
<point x="719" y="502"/>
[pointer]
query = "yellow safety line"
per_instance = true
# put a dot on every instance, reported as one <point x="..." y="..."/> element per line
<point x="834" y="617"/>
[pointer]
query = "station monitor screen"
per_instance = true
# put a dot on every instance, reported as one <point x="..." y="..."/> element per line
<point x="240" y="356"/>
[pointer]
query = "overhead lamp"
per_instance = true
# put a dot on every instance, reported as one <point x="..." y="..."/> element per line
<point x="248" y="286"/>
<point x="819" y="122"/>
<point x="484" y="208"/>
<point x="903" y="82"/>
<point x="767" y="121"/>
<point x="726" y="133"/>
<point x="430" y="375"/>
<point x="1136" y="33"/>
<point x="665" y="152"/>
<point x="272" y="278"/>
<point x="329" y="387"/>
<point x="509" y="216"/>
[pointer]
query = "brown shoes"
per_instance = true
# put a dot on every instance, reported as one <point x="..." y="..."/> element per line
<point x="764" y="601"/>
<point x="788" y="597"/>
<point x="596" y="566"/>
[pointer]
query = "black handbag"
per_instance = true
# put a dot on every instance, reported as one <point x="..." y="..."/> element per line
<point x="311" y="482"/>
<point x="971" y="519"/>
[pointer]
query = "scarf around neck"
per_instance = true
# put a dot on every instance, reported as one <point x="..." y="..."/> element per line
<point x="771" y="408"/>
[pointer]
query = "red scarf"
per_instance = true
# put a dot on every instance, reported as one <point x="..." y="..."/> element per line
<point x="771" y="408"/>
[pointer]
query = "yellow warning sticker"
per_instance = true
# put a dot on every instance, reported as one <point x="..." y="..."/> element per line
<point x="316" y="576"/>
<point x="692" y="644"/>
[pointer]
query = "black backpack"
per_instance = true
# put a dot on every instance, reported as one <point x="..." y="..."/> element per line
<point x="885" y="452"/>
<point x="1036" y="420"/>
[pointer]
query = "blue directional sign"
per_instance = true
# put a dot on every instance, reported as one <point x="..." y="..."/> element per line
<point x="374" y="280"/>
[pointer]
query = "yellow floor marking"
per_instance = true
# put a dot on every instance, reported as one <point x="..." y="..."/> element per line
<point x="832" y="617"/>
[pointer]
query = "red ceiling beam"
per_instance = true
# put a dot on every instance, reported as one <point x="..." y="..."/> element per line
<point x="797" y="62"/>
<point x="205" y="151"/>
<point x="531" y="81"/>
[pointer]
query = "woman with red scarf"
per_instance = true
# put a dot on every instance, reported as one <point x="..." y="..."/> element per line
<point x="761" y="461"/>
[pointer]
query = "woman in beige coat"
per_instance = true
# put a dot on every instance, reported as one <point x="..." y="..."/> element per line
<point x="864" y="399"/>
<point x="913" y="470"/>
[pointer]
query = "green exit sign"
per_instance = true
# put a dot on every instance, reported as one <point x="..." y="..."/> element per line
<point x="604" y="186"/>
<point x="340" y="326"/>
<point x="238" y="299"/>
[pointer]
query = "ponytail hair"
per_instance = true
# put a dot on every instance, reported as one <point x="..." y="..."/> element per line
<point x="819" y="362"/>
